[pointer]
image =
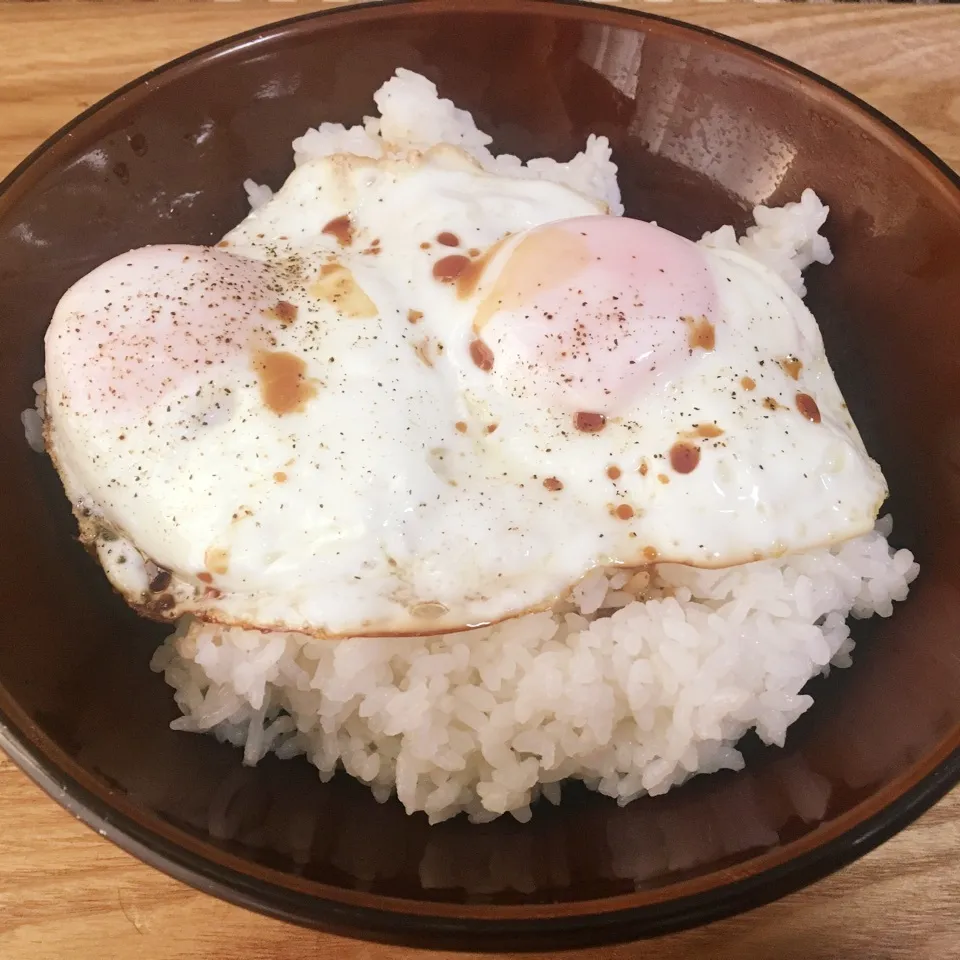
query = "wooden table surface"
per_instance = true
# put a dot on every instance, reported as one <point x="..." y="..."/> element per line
<point x="65" y="892"/>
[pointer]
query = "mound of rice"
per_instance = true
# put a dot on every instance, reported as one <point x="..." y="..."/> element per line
<point x="641" y="680"/>
<point x="414" y="117"/>
<point x="632" y="696"/>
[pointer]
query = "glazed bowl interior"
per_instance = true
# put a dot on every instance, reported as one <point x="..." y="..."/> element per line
<point x="702" y="129"/>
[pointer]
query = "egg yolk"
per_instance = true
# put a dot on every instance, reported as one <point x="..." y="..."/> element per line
<point x="159" y="317"/>
<point x="597" y="309"/>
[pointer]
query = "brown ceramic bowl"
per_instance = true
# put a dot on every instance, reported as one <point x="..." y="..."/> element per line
<point x="703" y="128"/>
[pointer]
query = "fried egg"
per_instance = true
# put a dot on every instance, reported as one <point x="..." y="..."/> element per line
<point x="409" y="395"/>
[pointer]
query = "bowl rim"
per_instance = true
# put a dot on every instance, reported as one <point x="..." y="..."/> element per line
<point x="761" y="879"/>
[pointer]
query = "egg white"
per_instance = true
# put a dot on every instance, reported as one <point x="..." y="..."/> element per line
<point x="407" y="493"/>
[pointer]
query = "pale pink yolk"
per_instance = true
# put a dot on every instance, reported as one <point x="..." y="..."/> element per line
<point x="598" y="309"/>
<point x="147" y="322"/>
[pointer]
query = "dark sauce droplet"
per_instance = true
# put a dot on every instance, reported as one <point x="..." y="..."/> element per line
<point x="161" y="580"/>
<point x="587" y="422"/>
<point x="448" y="239"/>
<point x="791" y="367"/>
<point x="285" y="312"/>
<point x="122" y="172"/>
<point x="449" y="268"/>
<point x="341" y="229"/>
<point x="163" y="603"/>
<point x="808" y="407"/>
<point x="284" y="386"/>
<point x="701" y="334"/>
<point x="481" y="355"/>
<point x="684" y="457"/>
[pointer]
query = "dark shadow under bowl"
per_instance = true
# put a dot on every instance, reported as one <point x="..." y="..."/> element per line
<point x="702" y="128"/>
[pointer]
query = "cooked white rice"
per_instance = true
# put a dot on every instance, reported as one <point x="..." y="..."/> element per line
<point x="787" y="239"/>
<point x="32" y="417"/>
<point x="632" y="687"/>
<point x="631" y="697"/>
<point x="413" y="117"/>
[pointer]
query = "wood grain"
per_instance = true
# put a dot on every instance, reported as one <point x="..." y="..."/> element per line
<point x="65" y="892"/>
